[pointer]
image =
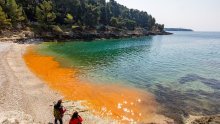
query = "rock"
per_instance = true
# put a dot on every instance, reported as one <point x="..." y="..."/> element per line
<point x="15" y="117"/>
<point x="207" y="120"/>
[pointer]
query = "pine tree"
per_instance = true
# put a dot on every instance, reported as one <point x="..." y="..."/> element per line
<point x="44" y="12"/>
<point x="89" y="13"/>
<point x="103" y="15"/>
<point x="91" y="16"/>
<point x="3" y="19"/>
<point x="14" y="11"/>
<point x="2" y="3"/>
<point x="69" y="19"/>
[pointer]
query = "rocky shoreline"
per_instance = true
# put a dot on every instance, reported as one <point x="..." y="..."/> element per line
<point x="28" y="35"/>
<point x="214" y="119"/>
<point x="92" y="35"/>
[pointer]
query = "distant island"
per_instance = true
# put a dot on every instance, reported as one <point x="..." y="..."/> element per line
<point x="177" y="29"/>
<point x="75" y="19"/>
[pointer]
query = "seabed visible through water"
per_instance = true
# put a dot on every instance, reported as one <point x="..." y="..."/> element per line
<point x="137" y="78"/>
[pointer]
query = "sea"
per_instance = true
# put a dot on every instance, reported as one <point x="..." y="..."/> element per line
<point x="182" y="70"/>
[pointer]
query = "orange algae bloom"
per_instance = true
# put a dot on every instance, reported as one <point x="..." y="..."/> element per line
<point x="115" y="101"/>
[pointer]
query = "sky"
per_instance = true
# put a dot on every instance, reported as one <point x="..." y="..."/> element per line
<point x="199" y="15"/>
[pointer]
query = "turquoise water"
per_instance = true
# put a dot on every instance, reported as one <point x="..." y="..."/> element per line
<point x="181" y="70"/>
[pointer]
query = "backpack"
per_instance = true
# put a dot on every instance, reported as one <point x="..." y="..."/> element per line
<point x="57" y="114"/>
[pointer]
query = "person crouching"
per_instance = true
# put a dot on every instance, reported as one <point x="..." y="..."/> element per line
<point x="76" y="119"/>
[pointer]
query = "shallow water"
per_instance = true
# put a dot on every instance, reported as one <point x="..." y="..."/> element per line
<point x="111" y="101"/>
<point x="181" y="70"/>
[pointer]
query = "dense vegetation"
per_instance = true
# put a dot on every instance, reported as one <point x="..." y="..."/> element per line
<point x="73" y="14"/>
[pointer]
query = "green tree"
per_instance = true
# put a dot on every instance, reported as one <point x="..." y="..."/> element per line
<point x="29" y="8"/>
<point x="2" y="3"/>
<point x="91" y="16"/>
<point x="114" y="22"/>
<point x="44" y="12"/>
<point x="69" y="19"/>
<point x="151" y="22"/>
<point x="91" y="13"/>
<point x="3" y="19"/>
<point x="92" y="2"/>
<point x="115" y="8"/>
<point x="63" y="7"/>
<point x="108" y="14"/>
<point x="159" y="27"/>
<point x="103" y="12"/>
<point x="130" y="24"/>
<point x="14" y="11"/>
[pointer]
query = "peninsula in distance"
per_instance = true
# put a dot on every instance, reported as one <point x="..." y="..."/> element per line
<point x="177" y="29"/>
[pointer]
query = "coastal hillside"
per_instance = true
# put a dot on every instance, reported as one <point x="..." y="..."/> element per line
<point x="76" y="19"/>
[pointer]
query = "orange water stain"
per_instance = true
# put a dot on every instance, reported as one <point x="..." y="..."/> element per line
<point x="115" y="101"/>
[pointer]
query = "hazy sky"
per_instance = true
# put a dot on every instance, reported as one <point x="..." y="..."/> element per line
<point x="200" y="15"/>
